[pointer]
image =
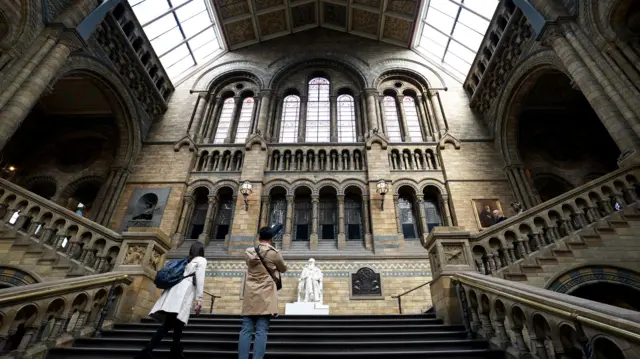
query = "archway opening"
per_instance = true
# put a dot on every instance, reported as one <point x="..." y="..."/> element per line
<point x="201" y="203"/>
<point x="408" y="212"/>
<point x="70" y="134"/>
<point x="560" y="138"/>
<point x="224" y="215"/>
<point x="328" y="214"/>
<point x="610" y="293"/>
<point x="302" y="214"/>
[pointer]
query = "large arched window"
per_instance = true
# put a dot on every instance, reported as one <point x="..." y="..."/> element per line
<point x="244" y="121"/>
<point x="407" y="217"/>
<point x="318" y="125"/>
<point x="225" y="120"/>
<point x="391" y="118"/>
<point x="413" y="121"/>
<point x="290" y="117"/>
<point x="353" y="216"/>
<point x="346" y="119"/>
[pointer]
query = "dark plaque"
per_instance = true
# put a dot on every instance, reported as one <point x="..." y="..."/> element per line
<point x="365" y="282"/>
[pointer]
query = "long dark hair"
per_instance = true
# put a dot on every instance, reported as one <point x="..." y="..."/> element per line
<point x="196" y="250"/>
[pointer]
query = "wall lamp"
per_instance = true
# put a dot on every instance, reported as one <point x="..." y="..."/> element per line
<point x="382" y="188"/>
<point x="245" y="189"/>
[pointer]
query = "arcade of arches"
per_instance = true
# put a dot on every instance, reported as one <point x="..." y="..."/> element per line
<point x="363" y="149"/>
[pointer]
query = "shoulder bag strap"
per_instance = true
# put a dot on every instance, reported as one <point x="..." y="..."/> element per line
<point x="257" y="249"/>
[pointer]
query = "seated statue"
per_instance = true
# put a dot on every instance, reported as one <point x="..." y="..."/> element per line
<point x="146" y="214"/>
<point x="310" y="283"/>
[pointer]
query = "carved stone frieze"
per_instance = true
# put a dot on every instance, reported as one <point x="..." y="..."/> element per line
<point x="135" y="254"/>
<point x="454" y="254"/>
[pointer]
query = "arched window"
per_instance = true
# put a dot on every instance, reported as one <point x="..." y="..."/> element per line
<point x="353" y="216"/>
<point x="318" y="126"/>
<point x="224" y="122"/>
<point x="391" y="117"/>
<point x="302" y="218"/>
<point x="432" y="211"/>
<point x="244" y="121"/>
<point x="222" y="224"/>
<point x="407" y="217"/>
<point x="290" y="117"/>
<point x="413" y="121"/>
<point x="346" y="119"/>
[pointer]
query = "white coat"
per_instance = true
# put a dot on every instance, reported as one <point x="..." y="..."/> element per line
<point x="179" y="298"/>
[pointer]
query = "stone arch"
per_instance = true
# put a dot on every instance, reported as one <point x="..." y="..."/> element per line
<point x="206" y="183"/>
<point x="403" y="68"/>
<point x="522" y="80"/>
<point x="74" y="186"/>
<point x="348" y="64"/>
<point x="225" y="183"/>
<point x="216" y="73"/>
<point x="431" y="182"/>
<point x="355" y="183"/>
<point x="267" y="187"/>
<point x="303" y="183"/>
<point x="574" y="278"/>
<point x="42" y="186"/>
<point x="404" y="182"/>
<point x="328" y="183"/>
<point x="127" y="115"/>
<point x="11" y="276"/>
<point x="219" y="82"/>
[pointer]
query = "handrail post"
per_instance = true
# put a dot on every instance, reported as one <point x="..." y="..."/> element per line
<point x="464" y="308"/>
<point x="400" y="303"/>
<point x="110" y="297"/>
<point x="213" y="300"/>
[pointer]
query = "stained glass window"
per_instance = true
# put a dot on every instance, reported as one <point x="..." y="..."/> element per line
<point x="407" y="217"/>
<point x="290" y="119"/>
<point x="225" y="120"/>
<point x="391" y="117"/>
<point x="346" y="119"/>
<point x="244" y="122"/>
<point x="318" y="126"/>
<point x="183" y="33"/>
<point x="451" y="32"/>
<point x="413" y="121"/>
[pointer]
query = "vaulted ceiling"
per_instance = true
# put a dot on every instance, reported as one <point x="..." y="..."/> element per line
<point x="246" y="22"/>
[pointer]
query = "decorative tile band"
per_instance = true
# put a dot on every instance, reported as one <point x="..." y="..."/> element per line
<point x="576" y="278"/>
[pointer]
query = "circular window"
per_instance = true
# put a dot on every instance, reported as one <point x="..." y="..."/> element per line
<point x="239" y="86"/>
<point x="398" y="84"/>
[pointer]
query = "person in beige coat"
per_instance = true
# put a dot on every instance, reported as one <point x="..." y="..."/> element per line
<point x="260" y="301"/>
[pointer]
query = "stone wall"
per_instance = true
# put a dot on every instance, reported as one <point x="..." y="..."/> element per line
<point x="226" y="278"/>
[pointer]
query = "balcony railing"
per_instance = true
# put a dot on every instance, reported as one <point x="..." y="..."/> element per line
<point x="413" y="158"/>
<point x="305" y="158"/>
<point x="69" y="234"/>
<point x="34" y="317"/>
<point x="526" y="320"/>
<point x="528" y="232"/>
<point x="219" y="159"/>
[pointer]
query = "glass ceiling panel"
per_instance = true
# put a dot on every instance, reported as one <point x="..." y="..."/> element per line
<point x="182" y="32"/>
<point x="453" y="30"/>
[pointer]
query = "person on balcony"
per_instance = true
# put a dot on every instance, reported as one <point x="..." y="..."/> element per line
<point x="174" y="305"/>
<point x="497" y="217"/>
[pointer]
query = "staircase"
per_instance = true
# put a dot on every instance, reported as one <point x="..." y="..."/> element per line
<point x="216" y="336"/>
<point x="612" y="239"/>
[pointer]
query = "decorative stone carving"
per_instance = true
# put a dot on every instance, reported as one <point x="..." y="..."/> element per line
<point x="310" y="283"/>
<point x="366" y="283"/>
<point x="454" y="254"/>
<point x="154" y="260"/>
<point x="135" y="254"/>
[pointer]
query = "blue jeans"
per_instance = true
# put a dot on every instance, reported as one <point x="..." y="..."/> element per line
<point x="261" y="324"/>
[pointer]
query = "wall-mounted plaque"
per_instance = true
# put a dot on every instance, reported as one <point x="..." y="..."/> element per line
<point x="146" y="207"/>
<point x="366" y="283"/>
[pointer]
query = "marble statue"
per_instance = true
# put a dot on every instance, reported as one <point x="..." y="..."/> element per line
<point x="310" y="283"/>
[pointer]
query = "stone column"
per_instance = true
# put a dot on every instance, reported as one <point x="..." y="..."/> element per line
<point x="22" y="219"/>
<point x="199" y="117"/>
<point x="592" y="90"/>
<point x="333" y="100"/>
<point x="32" y="227"/>
<point x="286" y="239"/>
<point x="18" y="107"/>
<point x="263" y="116"/>
<point x="341" y="234"/>
<point x="185" y="215"/>
<point x="424" y="228"/>
<point x="82" y="317"/>
<point x="403" y="119"/>
<point x="434" y="100"/>
<point x="368" y="239"/>
<point x="264" y="212"/>
<point x="46" y="235"/>
<point x="26" y="339"/>
<point x="302" y="122"/>
<point x="208" y="220"/>
<point x="108" y="196"/>
<point x="359" y="119"/>
<point x="212" y="120"/>
<point x="314" y="222"/>
<point x="448" y="219"/>
<point x="372" y="117"/>
<point x="398" y="219"/>
<point x="424" y="120"/>
<point x="55" y="331"/>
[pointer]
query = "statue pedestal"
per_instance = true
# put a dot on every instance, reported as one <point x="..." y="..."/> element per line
<point x="306" y="308"/>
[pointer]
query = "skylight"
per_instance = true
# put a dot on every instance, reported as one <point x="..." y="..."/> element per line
<point x="182" y="32"/>
<point x="451" y="32"/>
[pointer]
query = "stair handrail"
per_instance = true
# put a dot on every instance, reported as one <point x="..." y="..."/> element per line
<point x="399" y="296"/>
<point x="103" y="231"/>
<point x="37" y="316"/>
<point x="213" y="299"/>
<point x="534" y="211"/>
<point x="582" y="312"/>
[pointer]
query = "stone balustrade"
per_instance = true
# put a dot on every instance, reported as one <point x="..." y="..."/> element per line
<point x="532" y="323"/>
<point x="517" y="237"/>
<point x="409" y="158"/>
<point x="69" y="234"/>
<point x="36" y="317"/>
<point x="219" y="159"/>
<point x="308" y="158"/>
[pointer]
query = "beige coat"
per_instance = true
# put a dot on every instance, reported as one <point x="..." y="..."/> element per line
<point x="260" y="293"/>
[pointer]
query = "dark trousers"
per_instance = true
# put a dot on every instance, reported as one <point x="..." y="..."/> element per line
<point x="171" y="321"/>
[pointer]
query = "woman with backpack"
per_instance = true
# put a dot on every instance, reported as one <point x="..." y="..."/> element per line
<point x="174" y="305"/>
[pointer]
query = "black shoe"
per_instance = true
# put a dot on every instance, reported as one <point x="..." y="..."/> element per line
<point x="144" y="354"/>
<point x="176" y="353"/>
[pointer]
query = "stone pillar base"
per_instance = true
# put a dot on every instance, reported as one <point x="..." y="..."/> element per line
<point x="313" y="241"/>
<point x="368" y="241"/>
<point x="342" y="241"/>
<point x="286" y="241"/>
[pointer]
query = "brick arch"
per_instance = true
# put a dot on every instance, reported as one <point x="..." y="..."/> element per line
<point x="266" y="189"/>
<point x="348" y="64"/>
<point x="404" y="182"/>
<point x="303" y="183"/>
<point x="121" y="100"/>
<point x="389" y="67"/>
<point x="354" y="183"/>
<point x="433" y="183"/>
<point x="72" y="187"/>
<point x="219" y="83"/>
<point x="206" y="183"/>
<point x="205" y="81"/>
<point x="574" y="278"/>
<point x="22" y="25"/>
<point x="328" y="183"/>
<point x="522" y="80"/>
<point x="225" y="183"/>
<point x="30" y="182"/>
